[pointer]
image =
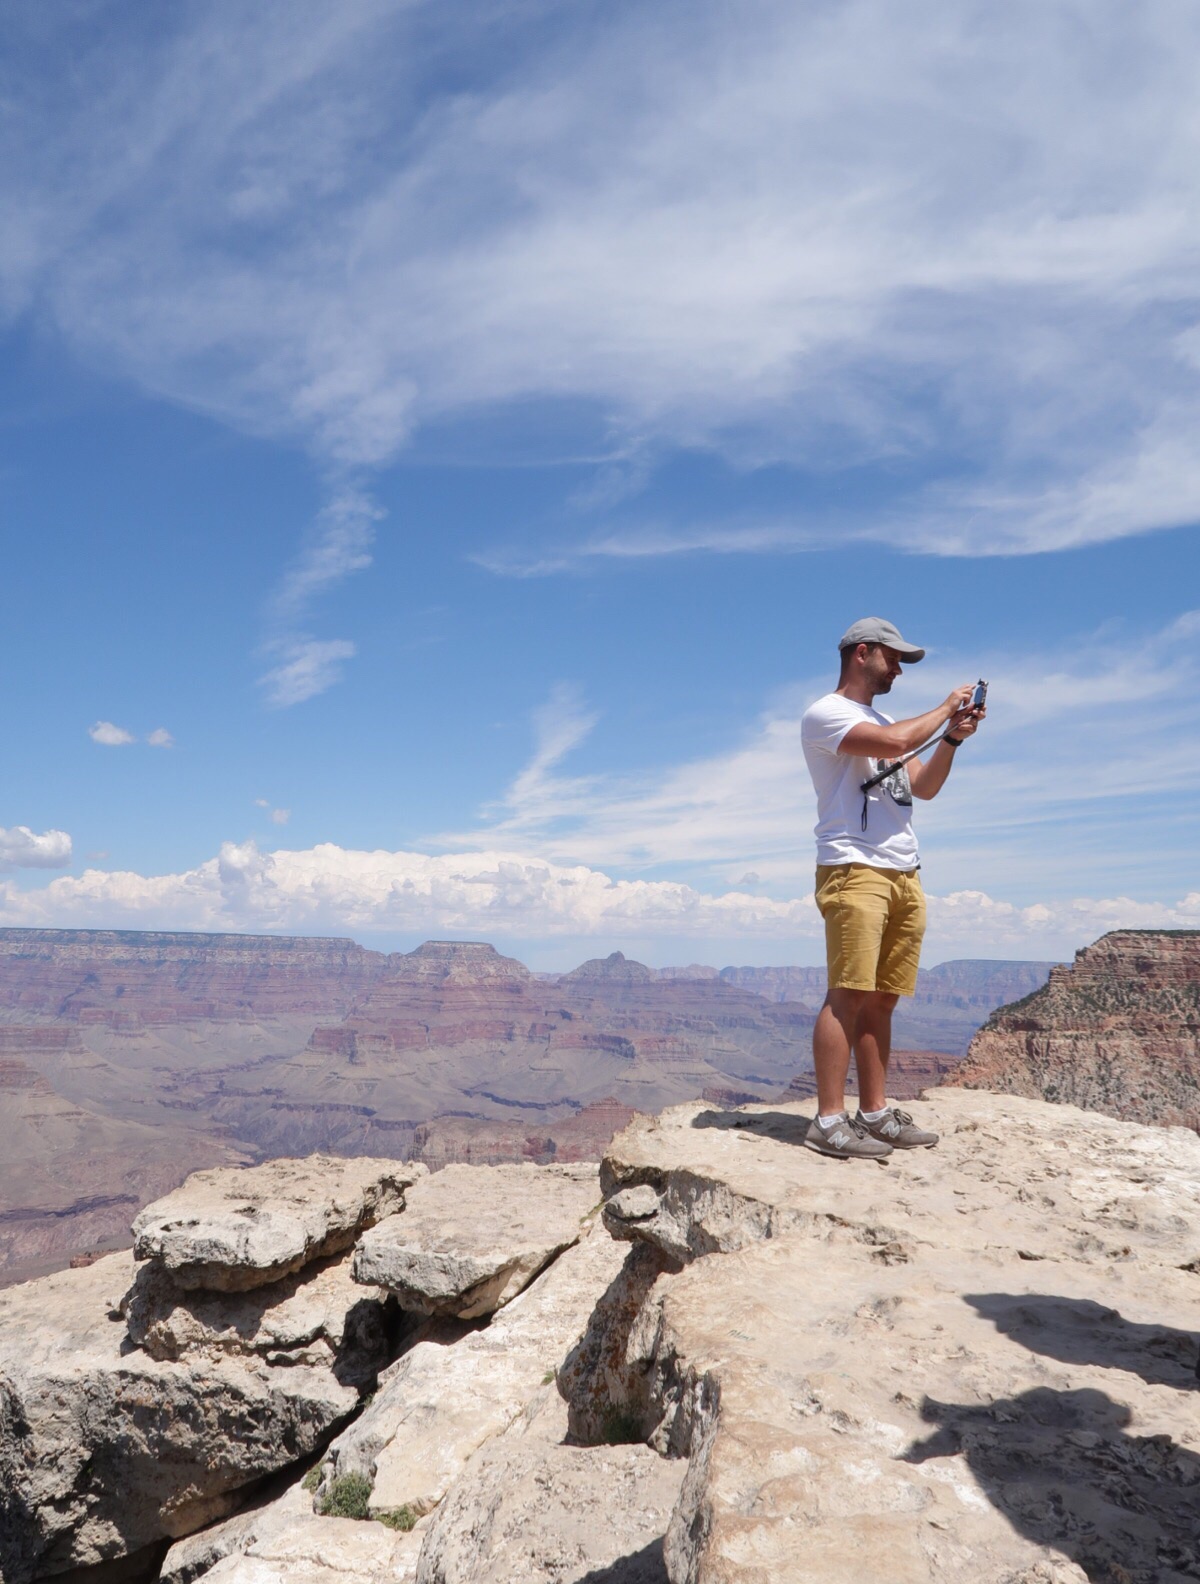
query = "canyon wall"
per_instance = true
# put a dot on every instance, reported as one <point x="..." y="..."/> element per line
<point x="1118" y="1031"/>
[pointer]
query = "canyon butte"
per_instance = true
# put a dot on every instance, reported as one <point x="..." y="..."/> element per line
<point x="130" y="1058"/>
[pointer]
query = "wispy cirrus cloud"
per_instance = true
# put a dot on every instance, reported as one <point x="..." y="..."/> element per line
<point x="337" y="545"/>
<point x="823" y="237"/>
<point x="1040" y="803"/>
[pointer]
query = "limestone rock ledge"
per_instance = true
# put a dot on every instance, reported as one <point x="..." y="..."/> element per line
<point x="472" y="1237"/>
<point x="231" y="1230"/>
<point x="974" y="1365"/>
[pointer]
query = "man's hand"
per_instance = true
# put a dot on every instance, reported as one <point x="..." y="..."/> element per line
<point x="965" y="722"/>
<point x="891" y="742"/>
<point x="927" y="780"/>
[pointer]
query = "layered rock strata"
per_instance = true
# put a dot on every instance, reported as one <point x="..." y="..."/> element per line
<point x="1118" y="1031"/>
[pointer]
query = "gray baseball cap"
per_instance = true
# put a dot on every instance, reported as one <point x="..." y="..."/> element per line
<point x="874" y="630"/>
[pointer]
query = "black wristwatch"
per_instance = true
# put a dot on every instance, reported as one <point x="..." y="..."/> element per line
<point x="955" y="742"/>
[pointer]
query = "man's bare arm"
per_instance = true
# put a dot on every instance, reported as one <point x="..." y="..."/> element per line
<point x="890" y="742"/>
<point x="927" y="780"/>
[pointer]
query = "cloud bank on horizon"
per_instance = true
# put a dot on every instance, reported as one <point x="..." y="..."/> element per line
<point x="511" y="897"/>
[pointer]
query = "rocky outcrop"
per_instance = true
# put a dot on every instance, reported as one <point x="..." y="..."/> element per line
<point x="976" y="1363"/>
<point x="532" y="1509"/>
<point x="319" y="1316"/>
<point x="473" y="1237"/>
<point x="454" y="1390"/>
<point x="228" y="1231"/>
<point x="285" y="1539"/>
<point x="105" y="1451"/>
<point x="140" y="1405"/>
<point x="1117" y="1032"/>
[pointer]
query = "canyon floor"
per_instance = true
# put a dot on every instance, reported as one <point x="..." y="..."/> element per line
<point x="128" y="1059"/>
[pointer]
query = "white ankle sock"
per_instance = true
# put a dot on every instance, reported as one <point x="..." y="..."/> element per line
<point x="875" y="1116"/>
<point x="827" y="1122"/>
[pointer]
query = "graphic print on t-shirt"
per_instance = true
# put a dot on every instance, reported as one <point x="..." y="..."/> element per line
<point x="898" y="786"/>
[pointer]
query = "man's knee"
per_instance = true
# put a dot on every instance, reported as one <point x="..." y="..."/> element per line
<point x="841" y="1001"/>
<point x="881" y="1001"/>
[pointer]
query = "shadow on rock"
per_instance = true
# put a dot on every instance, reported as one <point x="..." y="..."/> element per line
<point x="1062" y="1469"/>
<point x="781" y="1126"/>
<point x="1078" y="1331"/>
<point x="643" y="1567"/>
<point x="372" y="1336"/>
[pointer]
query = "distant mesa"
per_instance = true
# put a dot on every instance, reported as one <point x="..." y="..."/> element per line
<point x="615" y="966"/>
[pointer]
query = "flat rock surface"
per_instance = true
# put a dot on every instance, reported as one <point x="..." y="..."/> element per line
<point x="445" y="1398"/>
<point x="1051" y="1181"/>
<point x="526" y="1512"/>
<point x="471" y="1237"/>
<point x="975" y="1364"/>
<point x="231" y="1229"/>
<point x="104" y="1450"/>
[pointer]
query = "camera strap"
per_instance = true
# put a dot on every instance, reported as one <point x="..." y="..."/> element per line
<point x="865" y="787"/>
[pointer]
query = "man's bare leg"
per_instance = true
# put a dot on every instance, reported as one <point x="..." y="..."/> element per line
<point x="833" y="1040"/>
<point x="873" y="1048"/>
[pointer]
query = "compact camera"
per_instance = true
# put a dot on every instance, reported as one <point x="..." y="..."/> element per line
<point x="979" y="697"/>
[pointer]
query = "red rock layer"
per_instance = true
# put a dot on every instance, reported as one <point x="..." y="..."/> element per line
<point x="1118" y="1032"/>
<point x="131" y="977"/>
<point x="471" y="1140"/>
<point x="909" y="1073"/>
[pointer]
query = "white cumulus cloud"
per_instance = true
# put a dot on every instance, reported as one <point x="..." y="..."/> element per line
<point x="160" y="737"/>
<point x="511" y="895"/>
<point x="21" y="848"/>
<point x="110" y="736"/>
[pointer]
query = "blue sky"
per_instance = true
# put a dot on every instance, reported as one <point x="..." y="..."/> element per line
<point x="440" y="447"/>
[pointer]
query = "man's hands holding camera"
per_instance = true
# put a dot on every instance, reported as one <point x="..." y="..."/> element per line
<point x="965" y="713"/>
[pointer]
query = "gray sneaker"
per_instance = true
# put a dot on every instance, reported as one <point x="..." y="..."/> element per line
<point x="845" y="1140"/>
<point x="897" y="1128"/>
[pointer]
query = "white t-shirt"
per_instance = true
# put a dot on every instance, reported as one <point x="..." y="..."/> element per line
<point x="888" y="841"/>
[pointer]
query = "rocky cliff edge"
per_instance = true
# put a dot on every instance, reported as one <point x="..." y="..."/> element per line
<point x="752" y="1366"/>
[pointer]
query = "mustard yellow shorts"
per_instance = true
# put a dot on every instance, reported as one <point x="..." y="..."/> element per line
<point x="874" y="921"/>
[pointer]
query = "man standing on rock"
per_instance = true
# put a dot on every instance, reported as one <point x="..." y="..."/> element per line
<point x="868" y="889"/>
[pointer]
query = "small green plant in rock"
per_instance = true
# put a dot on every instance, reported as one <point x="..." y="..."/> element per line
<point x="402" y="1518"/>
<point x="620" y="1428"/>
<point x="349" y="1497"/>
<point x="312" y="1479"/>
